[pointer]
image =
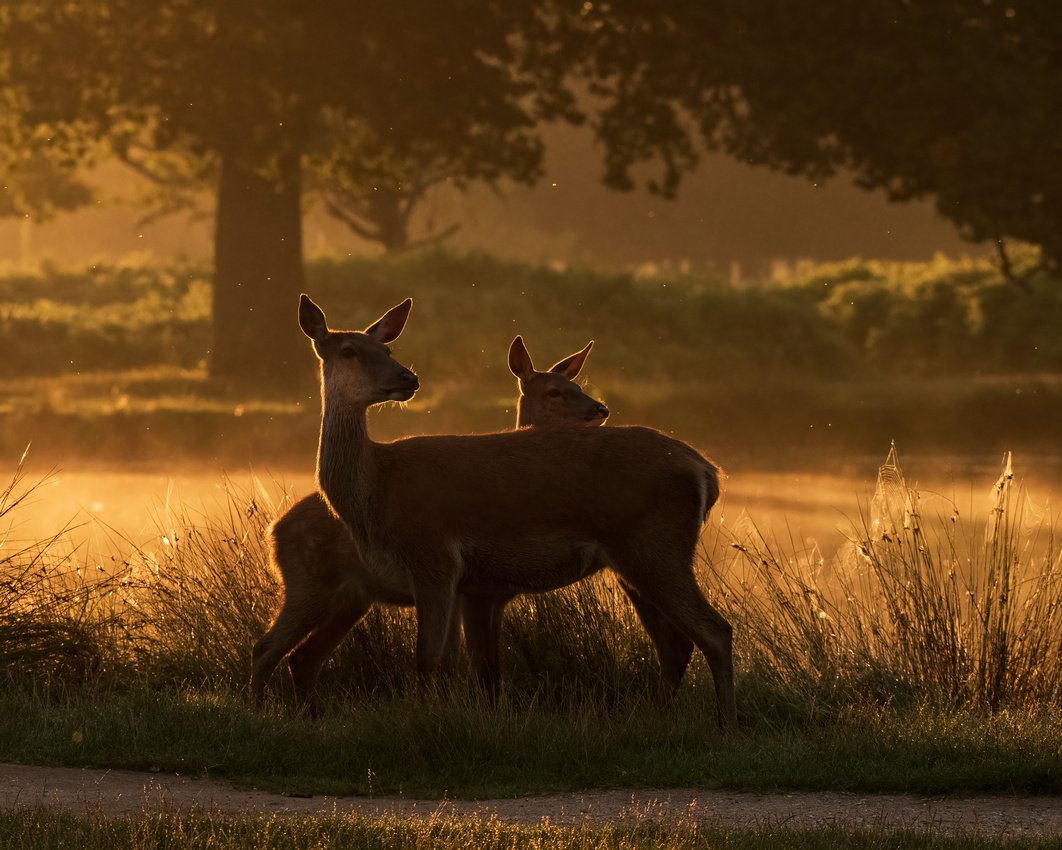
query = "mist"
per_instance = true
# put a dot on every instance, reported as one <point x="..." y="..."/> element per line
<point x="729" y="217"/>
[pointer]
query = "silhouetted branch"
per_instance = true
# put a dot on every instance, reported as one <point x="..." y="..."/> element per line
<point x="1019" y="279"/>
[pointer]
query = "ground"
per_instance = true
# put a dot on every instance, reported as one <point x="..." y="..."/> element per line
<point x="122" y="792"/>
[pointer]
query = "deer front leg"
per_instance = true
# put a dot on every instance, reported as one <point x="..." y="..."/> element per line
<point x="435" y="602"/>
<point x="482" y="617"/>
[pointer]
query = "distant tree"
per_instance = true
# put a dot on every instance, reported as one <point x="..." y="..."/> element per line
<point x="957" y="101"/>
<point x="175" y="176"/>
<point x="36" y="188"/>
<point x="40" y="172"/>
<point x="248" y="82"/>
<point x="374" y="184"/>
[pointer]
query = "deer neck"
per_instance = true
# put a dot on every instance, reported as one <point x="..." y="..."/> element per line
<point x="345" y="463"/>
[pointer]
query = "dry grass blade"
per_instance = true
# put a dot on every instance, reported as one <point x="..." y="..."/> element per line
<point x="922" y="603"/>
<point x="57" y="618"/>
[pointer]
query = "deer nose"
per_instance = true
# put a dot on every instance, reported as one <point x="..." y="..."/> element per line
<point x="600" y="413"/>
<point x="404" y="385"/>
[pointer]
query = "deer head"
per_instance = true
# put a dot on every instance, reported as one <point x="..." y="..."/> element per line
<point x="552" y="399"/>
<point x="357" y="366"/>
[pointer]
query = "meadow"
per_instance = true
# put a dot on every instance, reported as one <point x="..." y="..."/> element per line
<point x="908" y="642"/>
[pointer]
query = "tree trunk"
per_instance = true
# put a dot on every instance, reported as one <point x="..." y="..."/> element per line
<point x="258" y="275"/>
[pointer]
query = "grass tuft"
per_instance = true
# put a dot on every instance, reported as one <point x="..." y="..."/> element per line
<point x="58" y="621"/>
<point x="924" y="604"/>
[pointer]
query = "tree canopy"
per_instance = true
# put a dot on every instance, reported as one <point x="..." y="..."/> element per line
<point x="260" y="86"/>
<point x="956" y="101"/>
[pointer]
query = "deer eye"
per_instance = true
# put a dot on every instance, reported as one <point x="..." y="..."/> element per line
<point x="347" y="353"/>
<point x="554" y="393"/>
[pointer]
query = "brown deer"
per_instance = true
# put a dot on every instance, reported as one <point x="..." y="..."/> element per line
<point x="494" y="515"/>
<point x="327" y="588"/>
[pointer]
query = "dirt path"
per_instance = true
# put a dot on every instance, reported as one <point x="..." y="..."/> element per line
<point x="122" y="792"/>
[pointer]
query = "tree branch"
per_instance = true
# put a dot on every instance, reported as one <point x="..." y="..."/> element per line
<point x="1006" y="268"/>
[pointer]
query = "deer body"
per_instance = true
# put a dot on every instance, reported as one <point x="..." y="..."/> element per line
<point x="491" y="527"/>
<point x="328" y="588"/>
<point x="490" y="515"/>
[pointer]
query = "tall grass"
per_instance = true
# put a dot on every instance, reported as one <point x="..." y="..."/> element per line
<point x="925" y="602"/>
<point x="201" y="588"/>
<point x="58" y="618"/>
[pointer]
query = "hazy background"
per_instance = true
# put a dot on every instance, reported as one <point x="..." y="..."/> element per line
<point x="730" y="217"/>
<point x="741" y="222"/>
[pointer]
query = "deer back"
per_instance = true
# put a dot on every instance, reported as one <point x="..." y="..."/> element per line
<point x="585" y="482"/>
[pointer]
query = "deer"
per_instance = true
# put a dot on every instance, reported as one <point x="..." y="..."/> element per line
<point x="327" y="589"/>
<point x="524" y="511"/>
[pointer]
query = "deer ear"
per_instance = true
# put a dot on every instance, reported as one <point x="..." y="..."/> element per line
<point x="520" y="361"/>
<point x="570" y="367"/>
<point x="387" y="328"/>
<point x="312" y="319"/>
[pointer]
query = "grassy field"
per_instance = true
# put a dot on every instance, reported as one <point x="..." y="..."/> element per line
<point x="32" y="831"/>
<point x="922" y="657"/>
<point x="916" y="652"/>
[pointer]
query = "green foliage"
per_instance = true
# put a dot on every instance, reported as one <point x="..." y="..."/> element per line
<point x="828" y="321"/>
<point x="466" y="308"/>
<point x="939" y="356"/>
<point x="956" y="102"/>
<point x="130" y="314"/>
<point x="944" y="316"/>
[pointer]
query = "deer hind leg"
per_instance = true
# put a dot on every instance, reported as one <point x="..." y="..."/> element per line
<point x="297" y="618"/>
<point x="662" y="575"/>
<point x="435" y="600"/>
<point x="673" y="648"/>
<point x="451" y="656"/>
<point x="307" y="660"/>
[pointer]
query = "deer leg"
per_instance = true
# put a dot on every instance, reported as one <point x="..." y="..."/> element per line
<point x="482" y="618"/>
<point x="452" y="647"/>
<point x="296" y="619"/>
<point x="435" y="601"/>
<point x="692" y="614"/>
<point x="307" y="660"/>
<point x="671" y="587"/>
<point x="673" y="648"/>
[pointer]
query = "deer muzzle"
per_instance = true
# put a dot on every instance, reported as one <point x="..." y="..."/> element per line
<point x="598" y="415"/>
<point x="403" y="387"/>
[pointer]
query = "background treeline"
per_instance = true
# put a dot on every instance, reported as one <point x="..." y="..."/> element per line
<point x="854" y="318"/>
<point x="944" y="357"/>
